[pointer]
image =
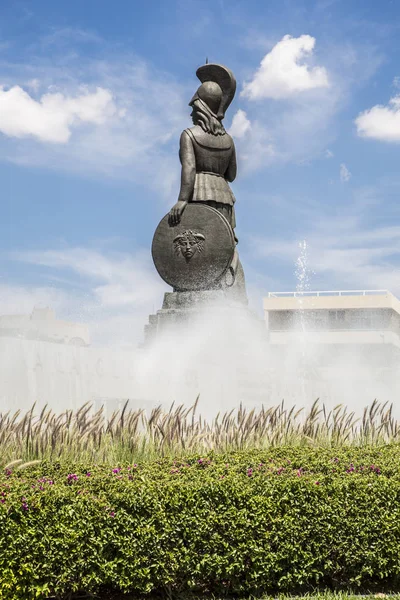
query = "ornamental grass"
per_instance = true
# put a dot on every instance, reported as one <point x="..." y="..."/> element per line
<point x="87" y="435"/>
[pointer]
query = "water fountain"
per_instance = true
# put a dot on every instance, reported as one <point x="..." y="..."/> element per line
<point x="204" y="340"/>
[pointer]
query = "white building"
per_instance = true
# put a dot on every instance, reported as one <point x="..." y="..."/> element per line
<point x="367" y="319"/>
<point x="342" y="344"/>
<point x="43" y="325"/>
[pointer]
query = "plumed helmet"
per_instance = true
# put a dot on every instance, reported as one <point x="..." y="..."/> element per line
<point x="211" y="93"/>
<point x="217" y="89"/>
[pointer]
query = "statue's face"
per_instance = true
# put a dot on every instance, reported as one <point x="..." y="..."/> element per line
<point x="188" y="247"/>
<point x="188" y="243"/>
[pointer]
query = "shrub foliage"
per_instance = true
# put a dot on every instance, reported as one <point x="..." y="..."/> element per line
<point x="285" y="519"/>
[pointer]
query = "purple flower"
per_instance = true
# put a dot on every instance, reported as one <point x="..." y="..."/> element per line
<point x="88" y="474"/>
<point x="317" y="483"/>
<point x="280" y="471"/>
<point x="72" y="477"/>
<point x="112" y="514"/>
<point x="116" y="470"/>
<point x="249" y="472"/>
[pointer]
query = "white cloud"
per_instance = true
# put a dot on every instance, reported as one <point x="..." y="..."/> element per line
<point x="113" y="293"/>
<point x="240" y="124"/>
<point x="127" y="130"/>
<point x="329" y="153"/>
<point x="344" y="252"/>
<point x="345" y="174"/>
<point x="381" y="122"/>
<point x="50" y="119"/>
<point x="283" y="72"/>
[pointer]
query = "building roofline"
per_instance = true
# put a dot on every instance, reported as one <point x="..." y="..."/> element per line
<point x="328" y="293"/>
<point x="331" y="300"/>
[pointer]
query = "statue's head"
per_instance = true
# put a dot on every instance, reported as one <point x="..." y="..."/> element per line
<point x="218" y="86"/>
<point x="188" y="243"/>
<point x="211" y="94"/>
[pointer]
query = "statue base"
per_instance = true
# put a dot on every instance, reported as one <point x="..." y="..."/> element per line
<point x="181" y="309"/>
<point x="203" y="343"/>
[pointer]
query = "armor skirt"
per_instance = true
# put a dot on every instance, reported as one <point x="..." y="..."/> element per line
<point x="214" y="187"/>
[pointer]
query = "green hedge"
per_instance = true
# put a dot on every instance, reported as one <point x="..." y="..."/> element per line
<point x="284" y="520"/>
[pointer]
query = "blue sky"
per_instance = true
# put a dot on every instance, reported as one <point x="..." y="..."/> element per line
<point x="94" y="97"/>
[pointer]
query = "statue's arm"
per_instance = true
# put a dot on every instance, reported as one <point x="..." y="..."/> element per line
<point x="188" y="177"/>
<point x="188" y="162"/>
<point x="230" y="173"/>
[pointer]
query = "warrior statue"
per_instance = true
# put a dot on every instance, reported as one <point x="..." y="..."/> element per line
<point x="208" y="158"/>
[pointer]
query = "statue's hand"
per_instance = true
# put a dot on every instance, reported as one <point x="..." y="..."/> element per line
<point x="175" y="213"/>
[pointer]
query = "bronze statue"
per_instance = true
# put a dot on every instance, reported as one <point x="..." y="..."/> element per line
<point x="208" y="157"/>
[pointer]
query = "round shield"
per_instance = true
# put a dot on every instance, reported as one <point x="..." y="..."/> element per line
<point x="196" y="253"/>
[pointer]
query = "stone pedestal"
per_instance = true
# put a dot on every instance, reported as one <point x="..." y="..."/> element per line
<point x="182" y="308"/>
<point x="203" y="343"/>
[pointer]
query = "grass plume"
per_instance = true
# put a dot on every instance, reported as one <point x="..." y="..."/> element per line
<point x="86" y="435"/>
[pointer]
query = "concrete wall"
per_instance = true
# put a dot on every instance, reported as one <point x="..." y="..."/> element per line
<point x="62" y="376"/>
